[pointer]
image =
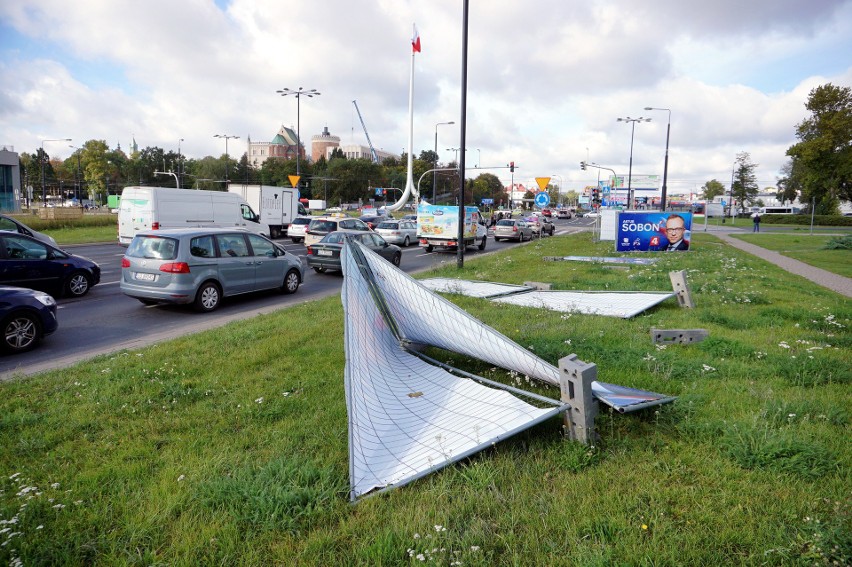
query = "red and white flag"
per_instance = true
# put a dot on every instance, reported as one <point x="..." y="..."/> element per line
<point x="415" y="41"/>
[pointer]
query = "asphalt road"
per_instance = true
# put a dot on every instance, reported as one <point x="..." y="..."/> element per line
<point x="106" y="321"/>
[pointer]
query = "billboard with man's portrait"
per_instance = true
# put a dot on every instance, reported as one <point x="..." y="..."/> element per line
<point x="653" y="231"/>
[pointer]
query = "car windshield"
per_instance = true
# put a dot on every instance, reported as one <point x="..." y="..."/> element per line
<point x="334" y="238"/>
<point x="322" y="225"/>
<point x="153" y="247"/>
<point x="298" y="220"/>
<point x="388" y="225"/>
<point x="505" y="222"/>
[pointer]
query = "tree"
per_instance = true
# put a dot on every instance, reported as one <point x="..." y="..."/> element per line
<point x="822" y="159"/>
<point x="744" y="188"/>
<point x="711" y="189"/>
<point x="790" y="183"/>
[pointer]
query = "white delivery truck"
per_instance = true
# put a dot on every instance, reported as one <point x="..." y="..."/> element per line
<point x="277" y="206"/>
<point x="438" y="226"/>
<point x="159" y="208"/>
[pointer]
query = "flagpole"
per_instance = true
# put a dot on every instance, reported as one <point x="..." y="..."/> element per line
<point x="409" y="182"/>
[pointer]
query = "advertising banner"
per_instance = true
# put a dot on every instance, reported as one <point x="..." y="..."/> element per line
<point x="653" y="231"/>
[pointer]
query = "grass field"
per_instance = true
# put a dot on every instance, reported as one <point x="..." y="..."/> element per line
<point x="810" y="249"/>
<point x="229" y="447"/>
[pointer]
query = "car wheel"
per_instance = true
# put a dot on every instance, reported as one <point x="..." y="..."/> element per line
<point x="77" y="285"/>
<point x="482" y="244"/>
<point x="521" y="237"/>
<point x="319" y="269"/>
<point x="20" y="332"/>
<point x="296" y="240"/>
<point x="274" y="233"/>
<point x="406" y="242"/>
<point x="429" y="248"/>
<point x="291" y="282"/>
<point x="397" y="258"/>
<point x="208" y="297"/>
<point x="497" y="239"/>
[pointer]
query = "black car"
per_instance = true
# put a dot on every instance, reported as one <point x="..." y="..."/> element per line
<point x="325" y="254"/>
<point x="26" y="316"/>
<point x="374" y="220"/>
<point x="27" y="262"/>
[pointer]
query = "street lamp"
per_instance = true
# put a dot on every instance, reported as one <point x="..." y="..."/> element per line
<point x="633" y="122"/>
<point x="227" y="137"/>
<point x="478" y="158"/>
<point x="179" y="168"/>
<point x="298" y="93"/>
<point x="77" y="175"/>
<point x="435" y="173"/>
<point x="558" y="193"/>
<point x="666" y="162"/>
<point x="43" y="190"/>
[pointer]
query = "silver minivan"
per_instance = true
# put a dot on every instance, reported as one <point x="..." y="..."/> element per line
<point x="203" y="265"/>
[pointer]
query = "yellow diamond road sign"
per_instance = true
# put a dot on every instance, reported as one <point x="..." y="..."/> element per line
<point x="294" y="180"/>
<point x="543" y="182"/>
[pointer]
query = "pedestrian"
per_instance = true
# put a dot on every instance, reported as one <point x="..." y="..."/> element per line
<point x="755" y="217"/>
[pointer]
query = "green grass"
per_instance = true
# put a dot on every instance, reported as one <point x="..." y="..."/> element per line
<point x="230" y="446"/>
<point x="91" y="228"/>
<point x="810" y="249"/>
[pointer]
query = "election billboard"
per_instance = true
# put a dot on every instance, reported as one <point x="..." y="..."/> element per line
<point x="653" y="231"/>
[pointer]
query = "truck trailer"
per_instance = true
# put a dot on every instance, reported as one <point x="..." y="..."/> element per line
<point x="438" y="227"/>
<point x="277" y="206"/>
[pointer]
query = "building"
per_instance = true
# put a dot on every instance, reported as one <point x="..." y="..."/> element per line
<point x="10" y="180"/>
<point x="323" y="144"/>
<point x="356" y="151"/>
<point x="283" y="145"/>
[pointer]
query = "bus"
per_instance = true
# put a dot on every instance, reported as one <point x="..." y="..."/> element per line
<point x="780" y="211"/>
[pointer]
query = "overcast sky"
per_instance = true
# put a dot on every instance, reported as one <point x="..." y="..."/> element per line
<point x="546" y="78"/>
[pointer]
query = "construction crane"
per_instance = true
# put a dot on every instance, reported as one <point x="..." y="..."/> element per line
<point x="372" y="149"/>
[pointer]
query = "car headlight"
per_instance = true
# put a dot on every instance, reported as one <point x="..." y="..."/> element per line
<point x="45" y="299"/>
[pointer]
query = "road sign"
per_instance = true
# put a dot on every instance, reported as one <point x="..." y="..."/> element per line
<point x="543" y="182"/>
<point x="542" y="199"/>
<point x="294" y="180"/>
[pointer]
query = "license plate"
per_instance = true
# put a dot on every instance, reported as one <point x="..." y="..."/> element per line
<point x="145" y="277"/>
<point x="324" y="253"/>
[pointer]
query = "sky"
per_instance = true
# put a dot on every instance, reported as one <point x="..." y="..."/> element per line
<point x="546" y="79"/>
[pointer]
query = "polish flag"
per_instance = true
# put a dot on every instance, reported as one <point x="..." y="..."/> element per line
<point x="415" y="41"/>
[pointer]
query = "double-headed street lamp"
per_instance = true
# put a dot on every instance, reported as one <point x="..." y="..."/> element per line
<point x="666" y="162"/>
<point x="178" y="164"/>
<point x="298" y="93"/>
<point x="633" y="122"/>
<point x="435" y="172"/>
<point x="226" y="137"/>
<point x="43" y="190"/>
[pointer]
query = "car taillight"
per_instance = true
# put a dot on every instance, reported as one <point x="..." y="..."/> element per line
<point x="514" y="229"/>
<point x="310" y="251"/>
<point x="175" y="268"/>
<point x="155" y="226"/>
<point x="125" y="263"/>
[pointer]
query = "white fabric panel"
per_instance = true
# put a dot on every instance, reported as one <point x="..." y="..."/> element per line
<point x="623" y="304"/>
<point x="407" y="417"/>
<point x="469" y="288"/>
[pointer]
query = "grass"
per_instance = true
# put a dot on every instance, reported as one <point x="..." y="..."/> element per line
<point x="814" y="250"/>
<point x="230" y="446"/>
<point x="90" y="228"/>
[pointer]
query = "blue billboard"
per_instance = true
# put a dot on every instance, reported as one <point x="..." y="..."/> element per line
<point x="653" y="231"/>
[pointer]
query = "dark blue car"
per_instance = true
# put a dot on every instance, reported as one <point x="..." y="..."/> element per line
<point x="26" y="316"/>
<point x="27" y="262"/>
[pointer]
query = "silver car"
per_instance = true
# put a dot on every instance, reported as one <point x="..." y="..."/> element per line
<point x="402" y="232"/>
<point x="513" y="229"/>
<point x="203" y="265"/>
<point x="13" y="225"/>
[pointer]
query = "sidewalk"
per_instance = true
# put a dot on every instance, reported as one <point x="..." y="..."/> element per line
<point x="834" y="282"/>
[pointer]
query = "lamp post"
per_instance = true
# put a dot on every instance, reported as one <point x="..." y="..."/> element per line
<point x="666" y="162"/>
<point x="227" y="137"/>
<point x="43" y="190"/>
<point x="180" y="184"/>
<point x="633" y="122"/>
<point x="558" y="193"/>
<point x="298" y="93"/>
<point x="77" y="174"/>
<point x="478" y="158"/>
<point x="435" y="173"/>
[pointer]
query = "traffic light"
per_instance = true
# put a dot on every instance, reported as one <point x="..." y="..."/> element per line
<point x="512" y="166"/>
<point x="583" y="165"/>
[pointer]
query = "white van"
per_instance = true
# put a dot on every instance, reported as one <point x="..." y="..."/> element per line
<point x="158" y="208"/>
